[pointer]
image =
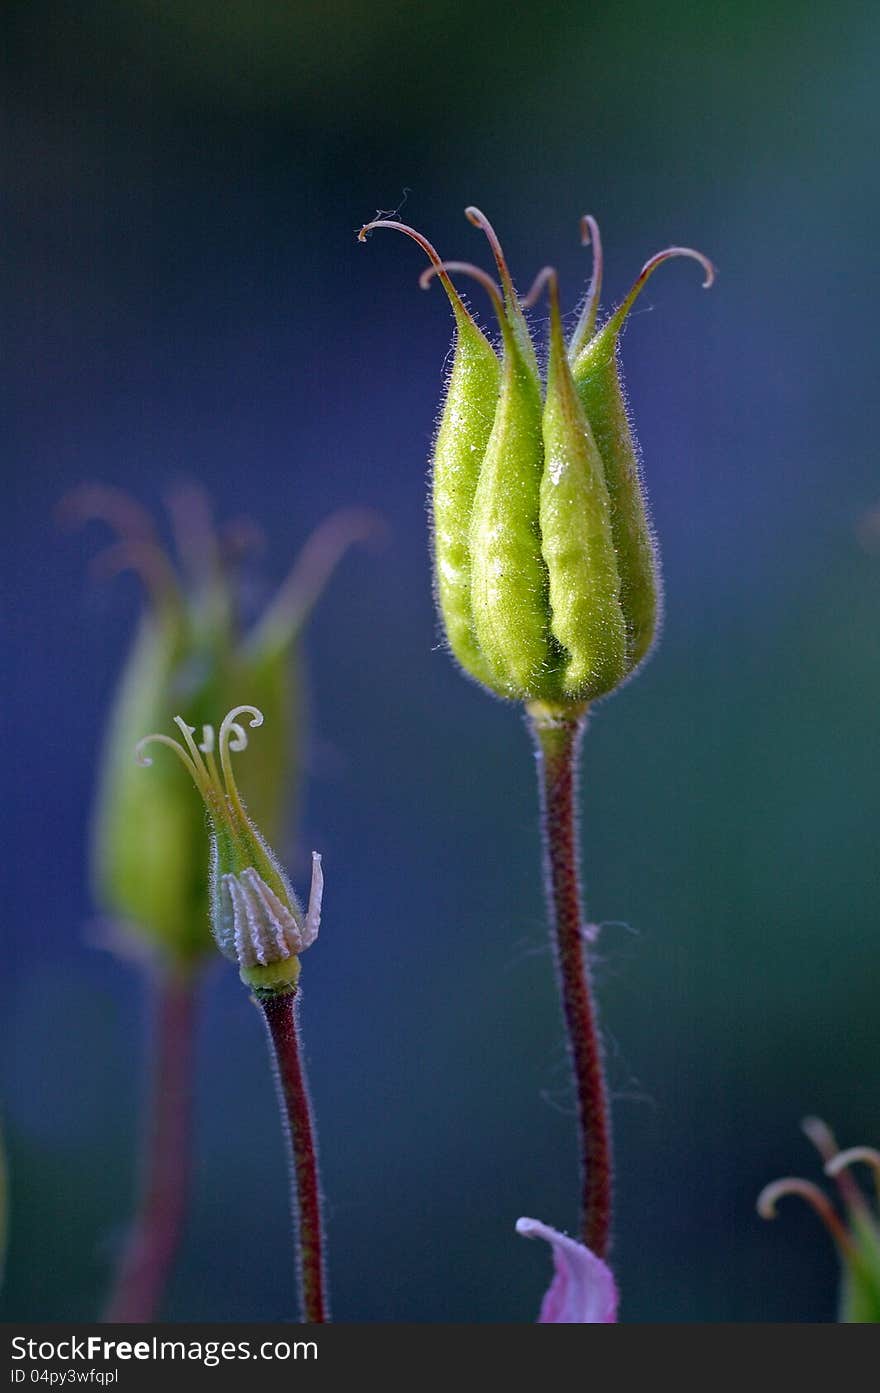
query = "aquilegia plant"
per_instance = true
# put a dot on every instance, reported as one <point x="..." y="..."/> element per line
<point x="259" y="924"/>
<point x="547" y="581"/>
<point x="149" y="869"/>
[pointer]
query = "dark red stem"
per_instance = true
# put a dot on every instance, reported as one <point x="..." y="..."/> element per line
<point x="279" y="1011"/>
<point x="558" y="740"/>
<point x="155" y="1233"/>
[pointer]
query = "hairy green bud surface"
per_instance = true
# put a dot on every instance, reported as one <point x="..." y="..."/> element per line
<point x="546" y="569"/>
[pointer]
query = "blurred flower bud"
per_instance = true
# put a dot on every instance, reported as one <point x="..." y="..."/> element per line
<point x="546" y="572"/>
<point x="256" y="918"/>
<point x="148" y="861"/>
<point x="856" y="1235"/>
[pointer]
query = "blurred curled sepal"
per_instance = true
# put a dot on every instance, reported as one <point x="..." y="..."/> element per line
<point x="854" y="1224"/>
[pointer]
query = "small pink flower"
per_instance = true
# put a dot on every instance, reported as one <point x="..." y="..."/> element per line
<point x="582" y="1290"/>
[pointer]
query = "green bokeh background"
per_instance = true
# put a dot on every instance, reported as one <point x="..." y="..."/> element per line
<point x="184" y="293"/>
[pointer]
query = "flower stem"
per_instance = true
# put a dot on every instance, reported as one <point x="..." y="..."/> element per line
<point x="155" y="1233"/>
<point x="558" y="739"/>
<point x="279" y="1012"/>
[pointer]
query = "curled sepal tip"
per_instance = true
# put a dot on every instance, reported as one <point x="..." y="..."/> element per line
<point x="460" y="309"/>
<point x="511" y="301"/>
<point x="792" y="1185"/>
<point x="310" y="574"/>
<point x="820" y="1134"/>
<point x="466" y="268"/>
<point x="855" y="1155"/>
<point x="590" y="237"/>
<point x="612" y="328"/>
<point x="479" y="219"/>
<point x="547" y="276"/>
<point x="102" y="503"/>
<point x="856" y="1234"/>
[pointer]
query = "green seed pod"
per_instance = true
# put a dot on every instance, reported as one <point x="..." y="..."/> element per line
<point x="256" y="919"/>
<point x="596" y="372"/>
<point x="459" y="446"/>
<point x="148" y="864"/>
<point x="552" y="528"/>
<point x="576" y="535"/>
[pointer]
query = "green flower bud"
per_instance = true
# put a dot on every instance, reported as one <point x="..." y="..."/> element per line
<point x="148" y="863"/>
<point x="856" y="1235"/>
<point x="256" y="919"/>
<point x="556" y="591"/>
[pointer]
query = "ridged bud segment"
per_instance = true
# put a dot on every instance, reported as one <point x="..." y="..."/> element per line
<point x="463" y="431"/>
<point x="597" y="377"/>
<point x="576" y="536"/>
<point x="509" y="576"/>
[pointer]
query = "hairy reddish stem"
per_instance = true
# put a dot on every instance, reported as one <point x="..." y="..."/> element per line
<point x="557" y="740"/>
<point x="279" y="1012"/>
<point x="155" y="1232"/>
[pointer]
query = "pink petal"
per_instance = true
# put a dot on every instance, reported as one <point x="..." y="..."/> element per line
<point x="582" y="1290"/>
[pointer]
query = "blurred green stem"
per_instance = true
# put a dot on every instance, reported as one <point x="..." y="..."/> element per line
<point x="155" y="1233"/>
<point x="558" y="736"/>
<point x="279" y="1012"/>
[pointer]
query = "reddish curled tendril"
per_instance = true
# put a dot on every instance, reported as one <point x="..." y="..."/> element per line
<point x="865" y="1155"/>
<point x="439" y="266"/>
<point x="101" y="503"/>
<point x="820" y="1134"/>
<point x="148" y="561"/>
<point x="819" y="1202"/>
<point x="647" y="271"/>
<point x="312" y="570"/>
<point x="590" y="237"/>
<point x="479" y="219"/>
<point x="546" y="276"/>
<point x="511" y="299"/>
<point x="466" y="268"/>
<point x="195" y="537"/>
<point x="137" y="549"/>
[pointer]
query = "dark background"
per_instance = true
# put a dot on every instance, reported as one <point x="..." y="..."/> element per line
<point x="184" y="296"/>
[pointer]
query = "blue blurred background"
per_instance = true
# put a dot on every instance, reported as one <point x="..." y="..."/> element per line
<point x="184" y="297"/>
